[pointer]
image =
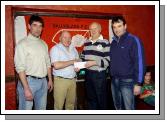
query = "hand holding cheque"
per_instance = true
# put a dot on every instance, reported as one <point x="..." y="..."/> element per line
<point x="81" y="65"/>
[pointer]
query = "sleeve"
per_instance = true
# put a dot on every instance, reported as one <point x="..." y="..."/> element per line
<point x="20" y="58"/>
<point x="105" y="61"/>
<point x="54" y="54"/>
<point x="48" y="58"/>
<point x="82" y="56"/>
<point x="138" y="58"/>
<point x="76" y="53"/>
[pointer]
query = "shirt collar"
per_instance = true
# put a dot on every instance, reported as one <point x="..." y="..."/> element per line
<point x="100" y="38"/>
<point x="122" y="37"/>
<point x="62" y="46"/>
<point x="31" y="37"/>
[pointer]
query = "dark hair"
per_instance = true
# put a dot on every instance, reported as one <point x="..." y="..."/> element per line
<point x="151" y="70"/>
<point x="117" y="19"/>
<point x="36" y="18"/>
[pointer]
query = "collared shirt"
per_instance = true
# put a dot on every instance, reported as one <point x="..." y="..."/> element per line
<point x="100" y="38"/>
<point x="31" y="56"/>
<point x="60" y="53"/>
<point x="97" y="51"/>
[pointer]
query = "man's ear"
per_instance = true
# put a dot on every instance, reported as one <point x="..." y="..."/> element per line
<point x="125" y="26"/>
<point x="29" y="26"/>
<point x="100" y="30"/>
<point x="60" y="38"/>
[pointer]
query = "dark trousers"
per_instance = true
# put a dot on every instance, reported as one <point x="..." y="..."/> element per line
<point x="96" y="88"/>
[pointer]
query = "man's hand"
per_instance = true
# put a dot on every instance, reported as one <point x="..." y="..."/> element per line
<point x="90" y="64"/>
<point x="77" y="60"/>
<point x="28" y="94"/>
<point x="137" y="90"/>
<point x="27" y="91"/>
<point x="50" y="85"/>
<point x="76" y="69"/>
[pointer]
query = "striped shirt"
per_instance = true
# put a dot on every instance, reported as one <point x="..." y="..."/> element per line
<point x="97" y="51"/>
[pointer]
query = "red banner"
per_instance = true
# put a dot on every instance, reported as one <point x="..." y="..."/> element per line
<point x="54" y="25"/>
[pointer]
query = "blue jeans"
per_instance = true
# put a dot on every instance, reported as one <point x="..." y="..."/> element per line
<point x="96" y="88"/>
<point x="122" y="93"/>
<point x="39" y="90"/>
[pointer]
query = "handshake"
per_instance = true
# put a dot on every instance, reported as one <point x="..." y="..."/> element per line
<point x="80" y="65"/>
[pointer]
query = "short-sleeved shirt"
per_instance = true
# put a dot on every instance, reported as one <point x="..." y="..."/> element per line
<point x="60" y="53"/>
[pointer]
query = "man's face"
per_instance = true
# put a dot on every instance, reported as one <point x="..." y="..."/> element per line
<point x="35" y="28"/>
<point x="119" y="28"/>
<point x="66" y="39"/>
<point x="94" y="29"/>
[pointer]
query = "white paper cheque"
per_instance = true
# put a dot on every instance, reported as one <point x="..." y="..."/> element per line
<point x="79" y="65"/>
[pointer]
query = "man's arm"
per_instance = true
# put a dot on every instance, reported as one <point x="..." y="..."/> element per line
<point x="50" y="83"/>
<point x="19" y="59"/>
<point x="27" y="90"/>
<point x="105" y="62"/>
<point x="90" y="64"/>
<point x="139" y="64"/>
<point x="63" y="64"/>
<point x="49" y="73"/>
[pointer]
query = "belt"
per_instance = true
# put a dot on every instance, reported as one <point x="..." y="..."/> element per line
<point x="34" y="77"/>
<point x="65" y="78"/>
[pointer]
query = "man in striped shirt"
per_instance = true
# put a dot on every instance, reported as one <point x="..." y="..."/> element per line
<point x="96" y="54"/>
